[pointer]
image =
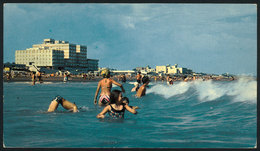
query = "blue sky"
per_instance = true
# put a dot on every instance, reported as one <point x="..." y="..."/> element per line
<point x="210" y="38"/>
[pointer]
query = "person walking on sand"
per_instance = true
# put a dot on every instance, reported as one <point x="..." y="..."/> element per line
<point x="105" y="84"/>
<point x="116" y="109"/>
<point x="141" y="91"/>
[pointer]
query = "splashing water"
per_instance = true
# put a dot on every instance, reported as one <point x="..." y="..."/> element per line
<point x="169" y="91"/>
<point x="244" y="89"/>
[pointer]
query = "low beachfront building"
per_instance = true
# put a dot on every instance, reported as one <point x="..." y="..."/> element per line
<point x="57" y="54"/>
<point x="168" y="69"/>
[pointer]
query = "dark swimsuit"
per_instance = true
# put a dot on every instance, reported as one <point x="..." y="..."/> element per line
<point x="117" y="113"/>
<point x="58" y="99"/>
<point x="139" y="81"/>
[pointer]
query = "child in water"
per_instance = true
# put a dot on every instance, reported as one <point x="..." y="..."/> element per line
<point x="116" y="109"/>
<point x="125" y="101"/>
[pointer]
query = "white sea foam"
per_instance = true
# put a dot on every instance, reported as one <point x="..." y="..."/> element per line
<point x="169" y="91"/>
<point x="244" y="89"/>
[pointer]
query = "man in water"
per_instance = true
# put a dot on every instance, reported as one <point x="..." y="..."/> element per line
<point x="64" y="103"/>
<point x="105" y="84"/>
<point x="139" y="77"/>
<point x="141" y="91"/>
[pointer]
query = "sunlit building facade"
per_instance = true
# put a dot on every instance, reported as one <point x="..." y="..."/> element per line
<point x="56" y="54"/>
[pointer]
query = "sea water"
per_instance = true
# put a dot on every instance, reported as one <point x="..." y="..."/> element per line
<point x="198" y="114"/>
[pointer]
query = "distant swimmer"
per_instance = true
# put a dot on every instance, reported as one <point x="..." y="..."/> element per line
<point x="167" y="79"/>
<point x="117" y="108"/>
<point x="155" y="78"/>
<point x="33" y="78"/>
<point x="170" y="81"/>
<point x="65" y="77"/>
<point x="64" y="103"/>
<point x="123" y="78"/>
<point x="139" y="77"/>
<point x="105" y="84"/>
<point x="141" y="91"/>
<point x="136" y="87"/>
<point x="39" y="76"/>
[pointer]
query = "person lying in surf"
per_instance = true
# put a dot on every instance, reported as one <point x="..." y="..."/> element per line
<point x="125" y="101"/>
<point x="105" y="84"/>
<point x="64" y="103"/>
<point x="116" y="109"/>
<point x="141" y="91"/>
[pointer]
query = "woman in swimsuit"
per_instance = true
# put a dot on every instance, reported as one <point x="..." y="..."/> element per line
<point x="117" y="108"/>
<point x="105" y="84"/>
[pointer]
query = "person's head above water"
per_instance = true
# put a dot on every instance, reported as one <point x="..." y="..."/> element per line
<point x="105" y="73"/>
<point x="116" y="96"/>
<point x="145" y="79"/>
<point x="125" y="100"/>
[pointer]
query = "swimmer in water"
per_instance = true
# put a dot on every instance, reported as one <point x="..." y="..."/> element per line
<point x="170" y="81"/>
<point x="64" y="103"/>
<point x="125" y="101"/>
<point x="141" y="91"/>
<point x="167" y="79"/>
<point x="105" y="84"/>
<point x="116" y="109"/>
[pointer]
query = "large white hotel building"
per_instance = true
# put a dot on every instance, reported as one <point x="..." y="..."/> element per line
<point x="57" y="54"/>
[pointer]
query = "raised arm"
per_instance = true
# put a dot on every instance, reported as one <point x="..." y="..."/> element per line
<point x="102" y="114"/>
<point x="96" y="94"/>
<point x="118" y="84"/>
<point x="139" y="92"/>
<point x="130" y="109"/>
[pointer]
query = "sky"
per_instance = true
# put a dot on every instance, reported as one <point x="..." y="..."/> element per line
<point x="209" y="38"/>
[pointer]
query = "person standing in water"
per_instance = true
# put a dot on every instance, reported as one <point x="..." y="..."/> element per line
<point x="105" y="84"/>
<point x="33" y="78"/>
<point x="117" y="108"/>
<point x="64" y="103"/>
<point x="39" y="76"/>
<point x="141" y="91"/>
<point x="139" y="77"/>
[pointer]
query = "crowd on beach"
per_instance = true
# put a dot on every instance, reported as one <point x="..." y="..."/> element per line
<point x="34" y="76"/>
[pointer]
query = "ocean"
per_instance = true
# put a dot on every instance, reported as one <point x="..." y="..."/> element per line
<point x="198" y="114"/>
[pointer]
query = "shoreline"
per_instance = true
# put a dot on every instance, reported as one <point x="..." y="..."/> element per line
<point x="50" y="79"/>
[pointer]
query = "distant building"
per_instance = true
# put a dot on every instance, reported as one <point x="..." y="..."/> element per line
<point x="92" y="64"/>
<point x="56" y="54"/>
<point x="12" y="66"/>
<point x="160" y="69"/>
<point x="168" y="69"/>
